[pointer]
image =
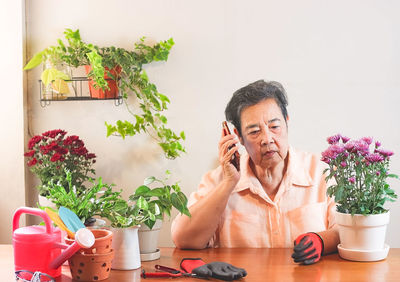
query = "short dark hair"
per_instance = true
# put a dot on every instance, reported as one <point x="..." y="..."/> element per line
<point x="253" y="94"/>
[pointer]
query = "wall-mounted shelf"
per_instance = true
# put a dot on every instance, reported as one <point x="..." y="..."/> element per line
<point x="78" y="91"/>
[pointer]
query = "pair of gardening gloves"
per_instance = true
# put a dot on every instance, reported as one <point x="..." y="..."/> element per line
<point x="308" y="248"/>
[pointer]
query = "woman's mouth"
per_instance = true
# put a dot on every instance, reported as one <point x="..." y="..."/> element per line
<point x="269" y="154"/>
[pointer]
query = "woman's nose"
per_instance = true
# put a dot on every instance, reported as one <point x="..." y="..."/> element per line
<point x="266" y="137"/>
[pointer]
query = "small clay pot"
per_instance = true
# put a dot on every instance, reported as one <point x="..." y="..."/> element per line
<point x="91" y="267"/>
<point x="102" y="243"/>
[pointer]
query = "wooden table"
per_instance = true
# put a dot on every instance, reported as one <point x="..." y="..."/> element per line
<point x="262" y="265"/>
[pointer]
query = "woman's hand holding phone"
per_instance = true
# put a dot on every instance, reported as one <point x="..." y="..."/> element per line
<point x="229" y="156"/>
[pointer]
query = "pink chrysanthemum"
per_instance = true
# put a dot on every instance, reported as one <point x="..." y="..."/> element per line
<point x="334" y="139"/>
<point x="374" y="158"/>
<point x="345" y="139"/>
<point x="367" y="140"/>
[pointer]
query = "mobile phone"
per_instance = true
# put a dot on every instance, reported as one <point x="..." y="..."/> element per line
<point x="236" y="157"/>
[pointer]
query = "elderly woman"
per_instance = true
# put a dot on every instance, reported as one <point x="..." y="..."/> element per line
<point x="277" y="197"/>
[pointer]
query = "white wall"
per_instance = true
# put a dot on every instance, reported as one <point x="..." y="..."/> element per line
<point x="11" y="116"/>
<point x="339" y="61"/>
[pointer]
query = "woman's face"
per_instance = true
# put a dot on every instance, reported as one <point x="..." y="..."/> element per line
<point x="264" y="133"/>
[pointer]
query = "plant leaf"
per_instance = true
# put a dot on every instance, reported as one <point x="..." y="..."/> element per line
<point x="149" y="180"/>
<point x="36" y="60"/>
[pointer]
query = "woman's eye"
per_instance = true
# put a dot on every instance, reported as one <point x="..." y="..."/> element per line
<point x="254" y="132"/>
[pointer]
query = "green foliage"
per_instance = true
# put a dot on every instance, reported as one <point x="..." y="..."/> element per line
<point x="96" y="200"/>
<point x="132" y="80"/>
<point x="144" y="206"/>
<point x="160" y="200"/>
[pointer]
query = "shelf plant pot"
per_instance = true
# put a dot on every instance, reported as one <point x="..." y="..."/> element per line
<point x="99" y="93"/>
<point x="126" y="247"/>
<point x="148" y="241"/>
<point x="362" y="237"/>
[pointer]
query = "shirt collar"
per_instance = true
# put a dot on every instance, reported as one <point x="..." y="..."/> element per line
<point x="296" y="173"/>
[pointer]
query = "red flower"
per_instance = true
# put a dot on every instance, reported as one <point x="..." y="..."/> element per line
<point x="70" y="139"/>
<point x="44" y="149"/>
<point x="80" y="151"/>
<point x="90" y="156"/>
<point x="62" y="151"/>
<point x="54" y="133"/>
<point x="34" y="140"/>
<point x="32" y="162"/>
<point x="30" y="153"/>
<point x="55" y="157"/>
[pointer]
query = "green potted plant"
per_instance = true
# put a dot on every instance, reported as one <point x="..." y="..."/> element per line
<point x="360" y="169"/>
<point x="159" y="200"/>
<point x="53" y="151"/>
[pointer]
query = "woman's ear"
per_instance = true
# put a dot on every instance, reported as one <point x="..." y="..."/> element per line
<point x="238" y="135"/>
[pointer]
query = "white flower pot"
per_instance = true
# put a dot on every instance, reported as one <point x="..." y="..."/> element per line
<point x="44" y="202"/>
<point x="148" y="241"/>
<point x="126" y="247"/>
<point x="362" y="237"/>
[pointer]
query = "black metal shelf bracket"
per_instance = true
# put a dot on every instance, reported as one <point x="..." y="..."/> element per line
<point x="79" y="93"/>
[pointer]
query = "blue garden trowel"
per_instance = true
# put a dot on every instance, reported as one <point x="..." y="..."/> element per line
<point x="70" y="219"/>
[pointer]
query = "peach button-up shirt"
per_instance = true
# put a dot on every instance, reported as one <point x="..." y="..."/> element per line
<point x="252" y="219"/>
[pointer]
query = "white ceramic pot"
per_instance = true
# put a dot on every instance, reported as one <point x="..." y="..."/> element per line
<point x="148" y="238"/>
<point x="362" y="237"/>
<point x="362" y="232"/>
<point x="44" y="202"/>
<point x="126" y="247"/>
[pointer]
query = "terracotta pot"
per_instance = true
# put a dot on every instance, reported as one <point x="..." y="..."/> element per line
<point x="91" y="267"/>
<point x="102" y="243"/>
<point x="112" y="84"/>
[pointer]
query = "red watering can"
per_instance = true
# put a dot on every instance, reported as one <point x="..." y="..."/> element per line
<point x="38" y="248"/>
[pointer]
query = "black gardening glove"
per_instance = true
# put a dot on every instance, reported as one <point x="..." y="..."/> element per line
<point x="217" y="269"/>
<point x="308" y="248"/>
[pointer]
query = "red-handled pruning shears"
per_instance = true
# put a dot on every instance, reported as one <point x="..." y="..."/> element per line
<point x="168" y="272"/>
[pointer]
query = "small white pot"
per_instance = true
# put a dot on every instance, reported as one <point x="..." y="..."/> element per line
<point x="148" y="238"/>
<point x="44" y="202"/>
<point x="126" y="247"/>
<point x="362" y="232"/>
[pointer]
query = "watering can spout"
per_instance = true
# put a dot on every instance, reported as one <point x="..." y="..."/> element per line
<point x="84" y="238"/>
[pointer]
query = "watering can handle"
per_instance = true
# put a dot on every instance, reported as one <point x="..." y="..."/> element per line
<point x="33" y="211"/>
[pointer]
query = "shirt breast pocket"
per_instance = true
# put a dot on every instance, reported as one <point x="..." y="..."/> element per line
<point x="309" y="218"/>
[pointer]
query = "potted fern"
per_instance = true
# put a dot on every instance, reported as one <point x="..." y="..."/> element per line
<point x="361" y="170"/>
